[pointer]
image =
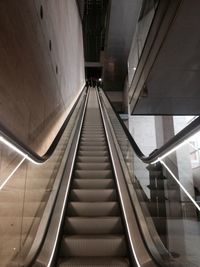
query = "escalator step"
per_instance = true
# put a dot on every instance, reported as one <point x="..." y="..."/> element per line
<point x="85" y="225"/>
<point x="93" y="139"/>
<point x="93" y="184"/>
<point x="93" y="246"/>
<point x="94" y="262"/>
<point x="93" y="166"/>
<point x="95" y="136"/>
<point x="93" y="148"/>
<point x="93" y="153"/>
<point x="91" y="126"/>
<point x="93" y="131"/>
<point x="93" y="174"/>
<point x="93" y="209"/>
<point x="92" y="159"/>
<point x="93" y="195"/>
<point x="93" y="143"/>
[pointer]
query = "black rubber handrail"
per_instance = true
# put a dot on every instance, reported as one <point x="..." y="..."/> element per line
<point x="10" y="137"/>
<point x="188" y="131"/>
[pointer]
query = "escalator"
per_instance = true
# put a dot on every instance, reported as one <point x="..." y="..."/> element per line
<point x="112" y="209"/>
<point x="93" y="232"/>
<point x="102" y="205"/>
<point x="93" y="221"/>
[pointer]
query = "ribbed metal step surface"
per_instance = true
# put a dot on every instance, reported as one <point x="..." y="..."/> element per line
<point x="93" y="183"/>
<point x="93" y="232"/>
<point x="95" y="225"/>
<point x="94" y="262"/>
<point x="93" y="195"/>
<point x="92" y="166"/>
<point x="93" y="209"/>
<point x="94" y="245"/>
<point x="99" y="159"/>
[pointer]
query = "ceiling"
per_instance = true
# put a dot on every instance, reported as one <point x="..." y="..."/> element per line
<point x="108" y="28"/>
<point x="94" y="28"/>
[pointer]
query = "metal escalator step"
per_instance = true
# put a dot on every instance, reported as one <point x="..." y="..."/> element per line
<point x="93" y="174"/>
<point x="85" y="225"/>
<point x="89" y="121"/>
<point x="93" y="153"/>
<point x="92" y="133"/>
<point x="93" y="166"/>
<point x="93" y="148"/>
<point x="88" y="134"/>
<point x="93" y="195"/>
<point x="98" y="124"/>
<point x="94" y="130"/>
<point x="93" y="143"/>
<point x="94" y="262"/>
<point x="92" y="159"/>
<point x="93" y="124"/>
<point x="96" y="133"/>
<point x="93" y="209"/>
<point x="93" y="139"/>
<point x="97" y="127"/>
<point x="93" y="184"/>
<point x="93" y="246"/>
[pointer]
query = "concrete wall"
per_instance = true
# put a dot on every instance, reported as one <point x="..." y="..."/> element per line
<point x="142" y="128"/>
<point x="41" y="67"/>
<point x="151" y="132"/>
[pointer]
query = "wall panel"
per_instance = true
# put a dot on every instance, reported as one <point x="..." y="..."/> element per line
<point x="41" y="67"/>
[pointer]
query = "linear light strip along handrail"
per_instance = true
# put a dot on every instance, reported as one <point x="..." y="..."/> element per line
<point x="174" y="142"/>
<point x="28" y="152"/>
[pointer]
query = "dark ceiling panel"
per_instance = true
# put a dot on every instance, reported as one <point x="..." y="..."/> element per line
<point x="94" y="28"/>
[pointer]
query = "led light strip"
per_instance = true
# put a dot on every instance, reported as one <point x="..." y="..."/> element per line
<point x="11" y="174"/>
<point x="182" y="187"/>
<point x="10" y="145"/>
<point x="170" y="152"/>
<point x="18" y="151"/>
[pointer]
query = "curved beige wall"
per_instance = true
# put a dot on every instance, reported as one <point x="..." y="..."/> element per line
<point x="34" y="99"/>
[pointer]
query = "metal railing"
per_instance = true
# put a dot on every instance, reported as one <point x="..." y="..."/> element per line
<point x="184" y="134"/>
